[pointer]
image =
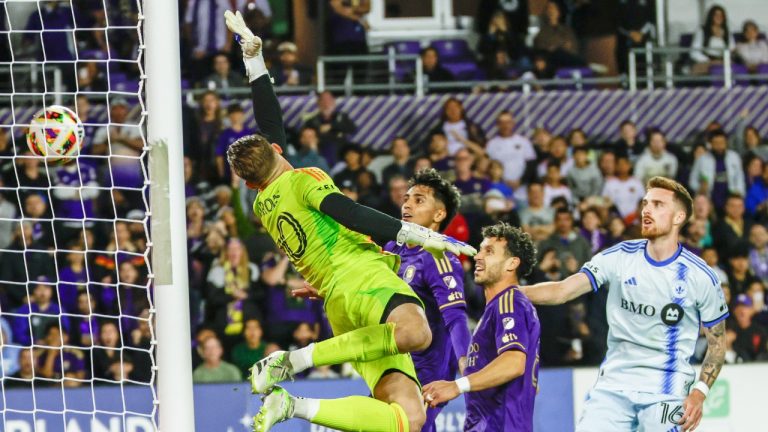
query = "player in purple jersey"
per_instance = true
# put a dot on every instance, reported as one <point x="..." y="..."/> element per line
<point x="501" y="378"/>
<point x="432" y="202"/>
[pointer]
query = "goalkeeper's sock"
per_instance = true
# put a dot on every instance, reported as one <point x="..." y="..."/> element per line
<point x="301" y="359"/>
<point x="353" y="413"/>
<point x="361" y="345"/>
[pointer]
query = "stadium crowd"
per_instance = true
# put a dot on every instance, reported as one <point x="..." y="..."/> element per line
<point x="592" y="38"/>
<point x="574" y="195"/>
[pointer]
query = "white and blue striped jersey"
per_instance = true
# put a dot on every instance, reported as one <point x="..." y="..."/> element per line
<point x="654" y="311"/>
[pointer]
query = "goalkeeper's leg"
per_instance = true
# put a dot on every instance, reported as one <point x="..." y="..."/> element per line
<point x="398" y="407"/>
<point x="402" y="327"/>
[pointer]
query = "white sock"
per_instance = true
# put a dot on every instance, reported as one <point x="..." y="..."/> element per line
<point x="301" y="359"/>
<point x="305" y="408"/>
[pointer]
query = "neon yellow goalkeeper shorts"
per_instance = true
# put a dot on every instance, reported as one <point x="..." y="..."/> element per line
<point x="360" y="301"/>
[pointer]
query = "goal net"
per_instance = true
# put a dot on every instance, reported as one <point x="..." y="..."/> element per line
<point x="76" y="300"/>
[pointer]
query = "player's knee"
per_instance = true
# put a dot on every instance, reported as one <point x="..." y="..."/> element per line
<point x="416" y="415"/>
<point x="412" y="332"/>
<point x="417" y="422"/>
<point x="413" y="336"/>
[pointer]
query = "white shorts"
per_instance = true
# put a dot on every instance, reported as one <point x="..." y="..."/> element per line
<point x="620" y="411"/>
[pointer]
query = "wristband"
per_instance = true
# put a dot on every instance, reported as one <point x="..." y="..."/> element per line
<point x="463" y="384"/>
<point x="702" y="387"/>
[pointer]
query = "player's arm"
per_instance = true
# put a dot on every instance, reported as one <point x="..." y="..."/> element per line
<point x="592" y="275"/>
<point x="503" y="369"/>
<point x="266" y="107"/>
<point x="445" y="277"/>
<point x="382" y="227"/>
<point x="455" y="321"/>
<point x="715" y="357"/>
<point x="554" y="293"/>
<point x="713" y="311"/>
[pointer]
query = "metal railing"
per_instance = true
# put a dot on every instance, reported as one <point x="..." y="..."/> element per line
<point x="36" y="83"/>
<point x="669" y="76"/>
<point x="391" y="58"/>
<point x="660" y="71"/>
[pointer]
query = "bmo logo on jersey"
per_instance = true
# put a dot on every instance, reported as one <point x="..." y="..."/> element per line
<point x="638" y="308"/>
<point x="671" y="314"/>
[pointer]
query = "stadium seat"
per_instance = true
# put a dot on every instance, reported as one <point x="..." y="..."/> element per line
<point x="404" y="47"/>
<point x="452" y="50"/>
<point x="403" y="68"/>
<point x="686" y="40"/>
<point x="739" y="37"/>
<point x="464" y="70"/>
<point x="736" y="69"/>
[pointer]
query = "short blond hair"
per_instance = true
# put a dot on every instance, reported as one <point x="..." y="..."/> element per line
<point x="252" y="158"/>
<point x="679" y="191"/>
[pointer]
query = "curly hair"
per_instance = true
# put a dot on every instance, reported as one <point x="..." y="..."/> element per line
<point x="519" y="244"/>
<point x="443" y="190"/>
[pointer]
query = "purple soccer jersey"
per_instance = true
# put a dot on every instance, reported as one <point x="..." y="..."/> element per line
<point x="439" y="284"/>
<point x="72" y="360"/>
<point x="77" y="193"/>
<point x="509" y="322"/>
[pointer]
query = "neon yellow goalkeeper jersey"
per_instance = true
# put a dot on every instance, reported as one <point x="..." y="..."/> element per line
<point x="321" y="249"/>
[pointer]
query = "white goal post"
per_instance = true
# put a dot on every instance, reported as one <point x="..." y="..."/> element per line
<point x="169" y="216"/>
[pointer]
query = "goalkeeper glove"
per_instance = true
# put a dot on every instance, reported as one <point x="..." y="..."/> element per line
<point x="249" y="43"/>
<point x="432" y="242"/>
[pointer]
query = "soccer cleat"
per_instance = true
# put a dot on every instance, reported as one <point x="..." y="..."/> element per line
<point x="277" y="407"/>
<point x="269" y="371"/>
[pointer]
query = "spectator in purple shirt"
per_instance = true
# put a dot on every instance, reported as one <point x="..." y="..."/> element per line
<point x="229" y="135"/>
<point x="72" y="277"/>
<point x="85" y="325"/>
<point x="284" y="312"/>
<point x="591" y="230"/>
<point x="432" y="202"/>
<point x="501" y="379"/>
<point x="52" y="15"/>
<point x="57" y="363"/>
<point x="437" y="150"/>
<point x="471" y="187"/>
<point x="32" y="319"/>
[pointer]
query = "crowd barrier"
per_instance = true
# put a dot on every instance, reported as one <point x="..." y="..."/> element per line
<point x="680" y="113"/>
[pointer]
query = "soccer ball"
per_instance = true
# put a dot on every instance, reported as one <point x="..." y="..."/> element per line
<point x="57" y="133"/>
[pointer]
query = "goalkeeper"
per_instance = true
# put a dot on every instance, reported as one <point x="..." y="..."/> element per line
<point x="376" y="317"/>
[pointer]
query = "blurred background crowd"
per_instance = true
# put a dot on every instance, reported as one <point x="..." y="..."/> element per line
<point x="575" y="194"/>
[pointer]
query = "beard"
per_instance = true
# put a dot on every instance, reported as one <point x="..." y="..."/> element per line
<point x="489" y="276"/>
<point x="653" y="231"/>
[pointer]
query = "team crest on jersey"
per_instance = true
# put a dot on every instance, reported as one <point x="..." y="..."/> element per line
<point x="672" y="314"/>
<point x="450" y="282"/>
<point x="509" y="323"/>
<point x="409" y="273"/>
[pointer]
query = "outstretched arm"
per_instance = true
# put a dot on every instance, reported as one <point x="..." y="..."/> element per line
<point x="710" y="369"/>
<point x="266" y="107"/>
<point x="382" y="227"/>
<point x="554" y="293"/>
<point x="267" y="110"/>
